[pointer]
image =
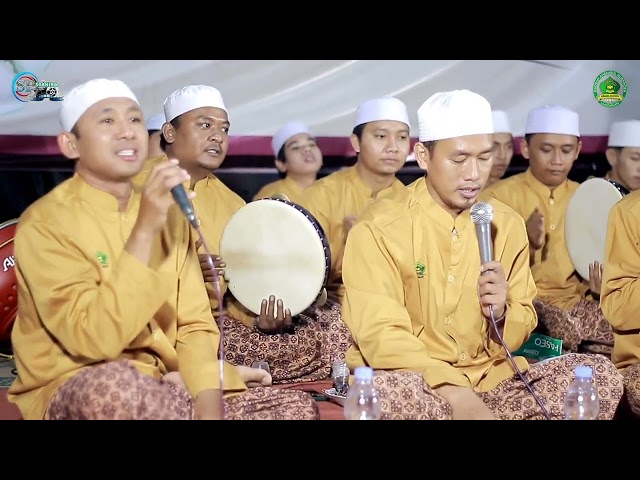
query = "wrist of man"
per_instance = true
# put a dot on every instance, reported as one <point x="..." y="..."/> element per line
<point x="534" y="247"/>
<point x="142" y="233"/>
<point x="256" y="327"/>
<point x="208" y="404"/>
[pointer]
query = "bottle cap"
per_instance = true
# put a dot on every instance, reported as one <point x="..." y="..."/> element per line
<point x="364" y="373"/>
<point x="584" y="372"/>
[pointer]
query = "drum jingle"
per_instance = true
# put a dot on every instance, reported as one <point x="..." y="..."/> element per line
<point x="8" y="287"/>
<point x="273" y="246"/>
<point x="585" y="227"/>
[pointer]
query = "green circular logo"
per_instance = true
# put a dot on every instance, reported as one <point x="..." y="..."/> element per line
<point x="610" y="89"/>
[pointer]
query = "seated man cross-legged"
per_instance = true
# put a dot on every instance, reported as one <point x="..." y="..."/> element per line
<point x="620" y="297"/>
<point x="113" y="319"/>
<point x="417" y="295"/>
<point x="295" y="347"/>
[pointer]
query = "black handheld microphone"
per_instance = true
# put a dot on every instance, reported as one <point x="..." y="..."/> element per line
<point x="481" y="216"/>
<point x="180" y="196"/>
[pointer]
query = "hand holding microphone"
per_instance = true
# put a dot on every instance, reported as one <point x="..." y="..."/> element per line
<point x="492" y="282"/>
<point x="183" y="200"/>
<point x="162" y="190"/>
<point x="493" y="287"/>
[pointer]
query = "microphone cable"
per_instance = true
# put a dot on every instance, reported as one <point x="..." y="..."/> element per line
<point x="482" y="216"/>
<point x="494" y="323"/>
<point x="180" y="196"/>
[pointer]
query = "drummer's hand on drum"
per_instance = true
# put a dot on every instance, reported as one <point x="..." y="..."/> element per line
<point x="273" y="316"/>
<point x="595" y="278"/>
<point x="205" y="266"/>
<point x="535" y="229"/>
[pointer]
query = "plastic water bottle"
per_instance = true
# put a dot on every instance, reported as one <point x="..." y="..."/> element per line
<point x="581" y="401"/>
<point x="362" y="399"/>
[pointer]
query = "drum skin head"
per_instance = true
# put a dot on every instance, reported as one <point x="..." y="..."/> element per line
<point x="271" y="248"/>
<point x="8" y="287"/>
<point x="585" y="227"/>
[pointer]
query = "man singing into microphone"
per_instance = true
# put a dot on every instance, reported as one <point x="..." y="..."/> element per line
<point x="113" y="318"/>
<point x="417" y="296"/>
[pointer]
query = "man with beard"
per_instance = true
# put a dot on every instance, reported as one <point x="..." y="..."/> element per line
<point x="197" y="134"/>
<point x="426" y="313"/>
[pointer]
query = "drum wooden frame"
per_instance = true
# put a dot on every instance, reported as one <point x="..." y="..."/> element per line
<point x="273" y="246"/>
<point x="8" y="280"/>
<point x="587" y="215"/>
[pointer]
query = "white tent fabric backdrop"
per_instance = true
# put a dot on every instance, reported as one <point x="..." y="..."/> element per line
<point x="261" y="95"/>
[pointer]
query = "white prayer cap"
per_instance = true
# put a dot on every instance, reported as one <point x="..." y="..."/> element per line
<point x="84" y="96"/>
<point x="191" y="97"/>
<point x="289" y="130"/>
<point x="454" y="114"/>
<point x="384" y="108"/>
<point x="500" y="122"/>
<point x="554" y="119"/>
<point x="625" y="134"/>
<point x="155" y="122"/>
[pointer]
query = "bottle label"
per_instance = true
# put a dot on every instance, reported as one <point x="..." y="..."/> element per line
<point x="540" y="347"/>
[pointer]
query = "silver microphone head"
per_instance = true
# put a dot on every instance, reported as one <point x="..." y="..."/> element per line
<point x="481" y="212"/>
